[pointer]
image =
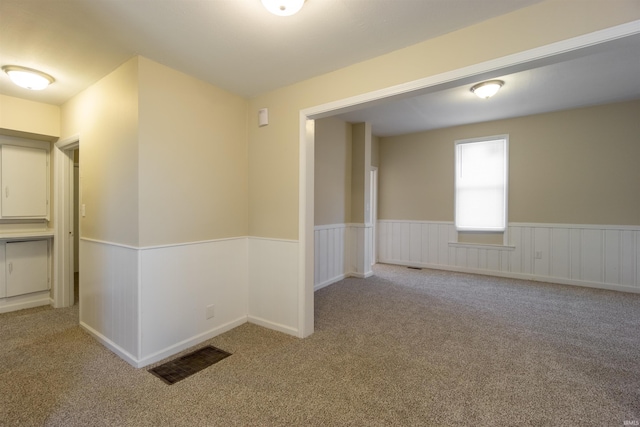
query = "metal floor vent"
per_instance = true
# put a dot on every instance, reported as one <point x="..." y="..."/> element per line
<point x="189" y="364"/>
<point x="414" y="268"/>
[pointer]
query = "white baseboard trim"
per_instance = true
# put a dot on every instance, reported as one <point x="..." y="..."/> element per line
<point x="122" y="353"/>
<point x="272" y="325"/>
<point x="361" y="275"/>
<point x="167" y="352"/>
<point x="190" y="342"/>
<point x="21" y="305"/>
<point x="330" y="282"/>
<point x="522" y="276"/>
<point x="341" y="277"/>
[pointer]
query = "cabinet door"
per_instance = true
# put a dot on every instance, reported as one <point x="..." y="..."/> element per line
<point x="24" y="182"/>
<point x="27" y="267"/>
<point x="3" y="276"/>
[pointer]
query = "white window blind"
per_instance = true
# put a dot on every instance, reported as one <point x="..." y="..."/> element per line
<point x="481" y="184"/>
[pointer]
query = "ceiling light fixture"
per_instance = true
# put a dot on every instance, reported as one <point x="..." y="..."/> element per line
<point x="28" y="78"/>
<point x="283" y="7"/>
<point x="487" y="89"/>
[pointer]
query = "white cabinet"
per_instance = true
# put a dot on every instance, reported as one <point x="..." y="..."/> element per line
<point x="24" y="182"/>
<point x="3" y="277"/>
<point x="25" y="240"/>
<point x="26" y="267"/>
<point x="24" y="179"/>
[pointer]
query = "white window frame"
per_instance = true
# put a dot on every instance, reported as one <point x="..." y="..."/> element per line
<point x="502" y="229"/>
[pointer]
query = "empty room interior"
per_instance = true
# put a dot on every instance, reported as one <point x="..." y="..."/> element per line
<point x="323" y="195"/>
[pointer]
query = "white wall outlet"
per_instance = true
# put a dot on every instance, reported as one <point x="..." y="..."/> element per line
<point x="538" y="254"/>
<point x="210" y="311"/>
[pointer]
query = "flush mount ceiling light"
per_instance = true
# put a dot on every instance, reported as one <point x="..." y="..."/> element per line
<point x="283" y="7"/>
<point x="487" y="89"/>
<point x="28" y="78"/>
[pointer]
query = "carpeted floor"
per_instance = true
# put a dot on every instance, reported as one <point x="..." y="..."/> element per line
<point x="404" y="347"/>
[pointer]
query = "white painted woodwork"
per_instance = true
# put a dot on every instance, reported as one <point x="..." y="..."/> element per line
<point x="342" y="250"/>
<point x="178" y="282"/>
<point x="305" y="264"/>
<point x="109" y="296"/>
<point x="3" y="277"/>
<point x="24" y="195"/>
<point x="64" y="248"/>
<point x="588" y="255"/>
<point x="23" y="300"/>
<point x="332" y="257"/>
<point x="273" y="284"/>
<point x="25" y="182"/>
<point x="26" y="267"/>
<point x="146" y="304"/>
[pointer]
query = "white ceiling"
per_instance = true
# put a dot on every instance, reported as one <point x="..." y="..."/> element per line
<point x="237" y="45"/>
<point x="601" y="74"/>
<point x="233" y="44"/>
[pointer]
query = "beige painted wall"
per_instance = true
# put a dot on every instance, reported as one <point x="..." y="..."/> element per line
<point x="273" y="150"/>
<point x="192" y="159"/>
<point x="340" y="163"/>
<point x="575" y="167"/>
<point x="106" y="117"/>
<point x="332" y="172"/>
<point x="164" y="157"/>
<point x="28" y="117"/>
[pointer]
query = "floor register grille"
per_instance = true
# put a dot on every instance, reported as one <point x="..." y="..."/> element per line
<point x="189" y="364"/>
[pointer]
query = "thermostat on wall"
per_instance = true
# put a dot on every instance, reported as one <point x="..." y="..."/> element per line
<point x="263" y="117"/>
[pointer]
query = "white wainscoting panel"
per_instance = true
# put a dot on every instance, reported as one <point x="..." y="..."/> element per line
<point x="332" y="255"/>
<point x="273" y="284"/>
<point x="109" y="296"/>
<point x="601" y="256"/>
<point x="178" y="282"/>
<point x="342" y="250"/>
<point x="359" y="245"/>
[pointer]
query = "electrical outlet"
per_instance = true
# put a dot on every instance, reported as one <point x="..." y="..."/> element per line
<point x="538" y="254"/>
<point x="210" y="311"/>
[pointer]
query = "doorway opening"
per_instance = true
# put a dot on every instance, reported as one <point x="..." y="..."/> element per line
<point x="66" y="249"/>
<point x="75" y="211"/>
<point x="552" y="53"/>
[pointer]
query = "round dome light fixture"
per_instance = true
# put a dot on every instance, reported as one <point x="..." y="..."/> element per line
<point x="487" y="89"/>
<point x="283" y="7"/>
<point x="27" y="77"/>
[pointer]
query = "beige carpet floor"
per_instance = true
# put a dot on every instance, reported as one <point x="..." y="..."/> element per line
<point x="404" y="347"/>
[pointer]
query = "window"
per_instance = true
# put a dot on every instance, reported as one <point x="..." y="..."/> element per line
<point x="481" y="184"/>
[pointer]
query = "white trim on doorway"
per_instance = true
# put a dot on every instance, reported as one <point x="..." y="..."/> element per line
<point x="63" y="221"/>
<point x="550" y="53"/>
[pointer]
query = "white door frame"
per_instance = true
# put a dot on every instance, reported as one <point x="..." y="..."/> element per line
<point x="373" y="200"/>
<point x="554" y="52"/>
<point x="63" y="245"/>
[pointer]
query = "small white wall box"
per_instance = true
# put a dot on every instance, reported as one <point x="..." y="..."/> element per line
<point x="263" y="117"/>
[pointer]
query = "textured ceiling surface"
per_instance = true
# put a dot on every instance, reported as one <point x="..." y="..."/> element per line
<point x="606" y="73"/>
<point x="238" y="46"/>
<point x="234" y="44"/>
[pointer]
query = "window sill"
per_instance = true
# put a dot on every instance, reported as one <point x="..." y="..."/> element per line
<point x="481" y="246"/>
